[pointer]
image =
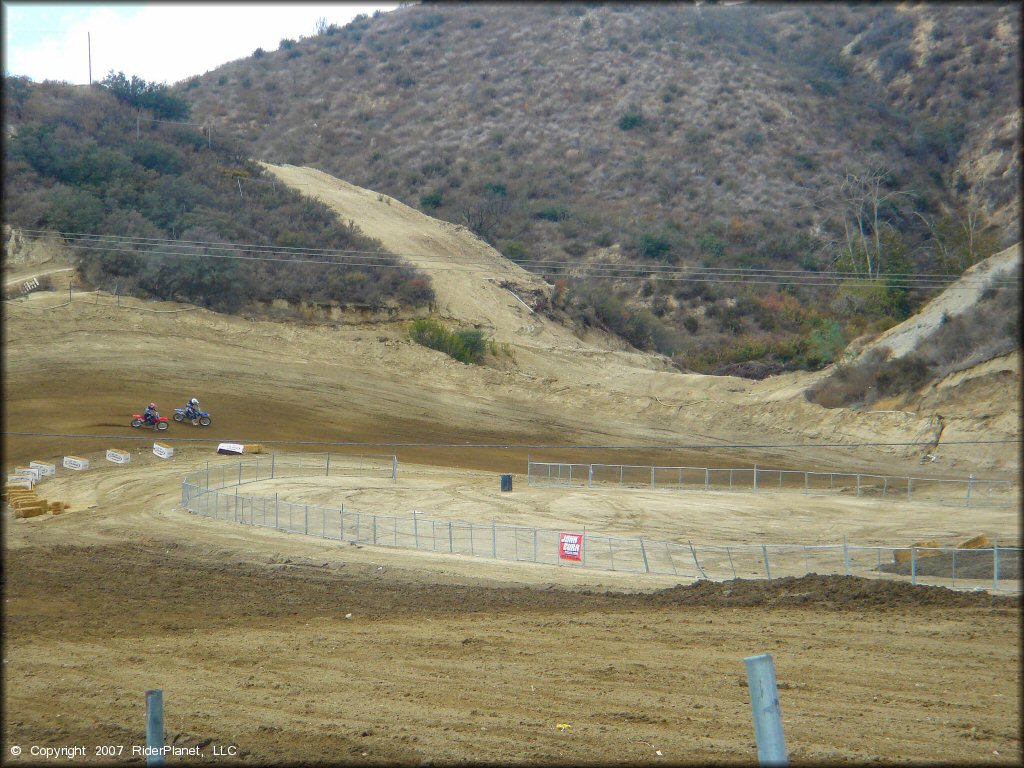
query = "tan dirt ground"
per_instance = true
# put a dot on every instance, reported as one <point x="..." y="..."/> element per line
<point x="457" y="659"/>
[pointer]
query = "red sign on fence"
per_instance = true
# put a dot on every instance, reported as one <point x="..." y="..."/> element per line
<point x="570" y="546"/>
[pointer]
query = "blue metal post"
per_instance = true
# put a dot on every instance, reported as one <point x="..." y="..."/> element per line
<point x="767" y="570"/>
<point x="695" y="561"/>
<point x="764" y="703"/>
<point x="995" y="566"/>
<point x="155" y="727"/>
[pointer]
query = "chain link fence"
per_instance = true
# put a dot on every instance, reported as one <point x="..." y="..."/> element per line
<point x="205" y="493"/>
<point x="970" y="492"/>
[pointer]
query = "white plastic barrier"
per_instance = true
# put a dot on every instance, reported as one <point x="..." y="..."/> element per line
<point x="76" y="462"/>
<point x="44" y="467"/>
<point x="24" y="481"/>
<point x="118" y="457"/>
<point x="29" y="471"/>
<point x="162" y="450"/>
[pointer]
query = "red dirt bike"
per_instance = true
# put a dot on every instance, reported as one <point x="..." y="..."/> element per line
<point x="138" y="420"/>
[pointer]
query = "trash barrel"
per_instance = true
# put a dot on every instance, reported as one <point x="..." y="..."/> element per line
<point x="506" y="483"/>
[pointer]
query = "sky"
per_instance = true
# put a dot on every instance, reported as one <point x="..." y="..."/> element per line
<point x="159" y="42"/>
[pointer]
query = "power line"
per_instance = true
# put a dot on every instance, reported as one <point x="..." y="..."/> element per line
<point x="371" y="259"/>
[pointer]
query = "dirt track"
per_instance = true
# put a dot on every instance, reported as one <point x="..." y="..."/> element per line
<point x="460" y="659"/>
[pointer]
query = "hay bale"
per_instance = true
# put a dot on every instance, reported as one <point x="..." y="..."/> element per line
<point x="30" y="511"/>
<point x="904" y="555"/>
<point x="978" y="542"/>
<point x="254" y="448"/>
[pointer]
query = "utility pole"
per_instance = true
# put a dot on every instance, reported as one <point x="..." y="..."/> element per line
<point x="89" y="38"/>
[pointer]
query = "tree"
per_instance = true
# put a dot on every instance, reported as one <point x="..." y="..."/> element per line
<point x="866" y="208"/>
<point x="483" y="214"/>
<point x="961" y="240"/>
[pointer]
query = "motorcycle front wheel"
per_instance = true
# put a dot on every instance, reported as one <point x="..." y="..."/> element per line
<point x="162" y="425"/>
<point x="205" y="421"/>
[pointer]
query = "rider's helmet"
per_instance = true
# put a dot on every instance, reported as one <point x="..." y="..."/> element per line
<point x="194" y="401"/>
<point x="153" y="406"/>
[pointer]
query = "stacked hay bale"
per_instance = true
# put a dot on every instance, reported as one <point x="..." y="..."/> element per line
<point x="25" y="503"/>
<point x="254" y="448"/>
<point x="978" y="542"/>
<point x="929" y="550"/>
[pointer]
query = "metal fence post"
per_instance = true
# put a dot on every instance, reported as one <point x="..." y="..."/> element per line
<point x="451" y="544"/>
<point x="913" y="565"/>
<point x="858" y="485"/>
<point x="668" y="551"/>
<point x="327" y="471"/>
<point x="535" y="545"/>
<point x="755" y="478"/>
<point x="374" y="529"/>
<point x="764" y="704"/>
<point x="846" y="555"/>
<point x="995" y="566"/>
<point x="272" y="454"/>
<point x="954" y="569"/>
<point x="807" y="482"/>
<point x="970" y="486"/>
<point x="695" y="561"/>
<point x="494" y="539"/>
<point x="305" y="521"/>
<point x="277" y="509"/>
<point x="394" y="467"/>
<point x="707" y="477"/>
<point x="643" y="554"/>
<point x="652" y="478"/>
<point x="767" y="570"/>
<point x="583" y="546"/>
<point x="731" y="564"/>
<point x="155" y="727"/>
<point x="910" y="488"/>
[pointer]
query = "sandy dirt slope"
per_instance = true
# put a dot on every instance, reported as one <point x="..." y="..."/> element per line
<point x="902" y="339"/>
<point x="455" y="659"/>
<point x="679" y="408"/>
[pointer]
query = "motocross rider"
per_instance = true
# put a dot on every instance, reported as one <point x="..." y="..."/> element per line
<point x="192" y="409"/>
<point x="151" y="414"/>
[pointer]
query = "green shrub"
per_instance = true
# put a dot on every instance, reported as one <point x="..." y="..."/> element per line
<point x="552" y="212"/>
<point x="466" y="346"/>
<point x="631" y="120"/>
<point x="431" y="200"/>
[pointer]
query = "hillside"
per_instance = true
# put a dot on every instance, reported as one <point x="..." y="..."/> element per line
<point x="267" y="380"/>
<point x="579" y="139"/>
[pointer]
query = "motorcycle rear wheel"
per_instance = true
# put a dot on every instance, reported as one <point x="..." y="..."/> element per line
<point x="179" y="417"/>
<point x="136" y="422"/>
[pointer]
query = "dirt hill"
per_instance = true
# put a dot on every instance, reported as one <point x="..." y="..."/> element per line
<point x="267" y="380"/>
